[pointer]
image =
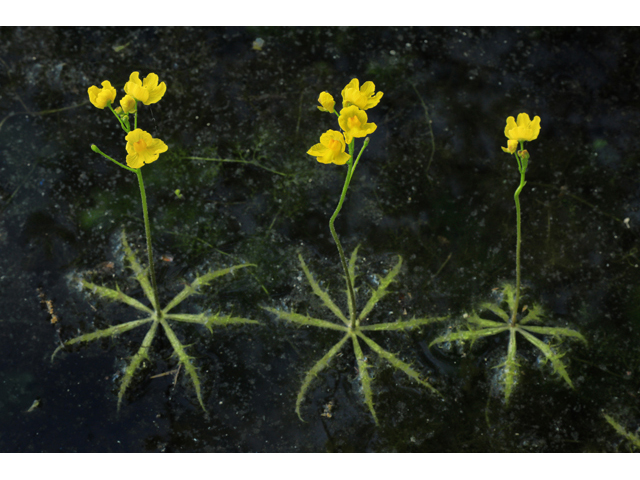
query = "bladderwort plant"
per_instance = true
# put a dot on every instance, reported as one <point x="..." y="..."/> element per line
<point x="353" y="121"/>
<point x="512" y="320"/>
<point x="142" y="149"/>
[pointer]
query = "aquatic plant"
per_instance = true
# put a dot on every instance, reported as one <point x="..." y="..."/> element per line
<point x="331" y="149"/>
<point x="511" y="319"/>
<point x="142" y="149"/>
<point x="633" y="439"/>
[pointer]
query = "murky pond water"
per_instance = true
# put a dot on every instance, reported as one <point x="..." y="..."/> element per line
<point x="433" y="187"/>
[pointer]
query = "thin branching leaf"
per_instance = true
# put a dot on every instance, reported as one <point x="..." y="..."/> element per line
<point x="207" y="319"/>
<point x="365" y="378"/>
<point x="509" y="295"/>
<point x="184" y="359"/>
<point x="466" y="335"/>
<point x="381" y="291"/>
<point x="305" y="319"/>
<point x="475" y="319"/>
<point x="397" y="363"/>
<point x="558" y="366"/>
<point x="141" y="275"/>
<point x="635" y="440"/>
<point x="534" y="314"/>
<point x="495" y="309"/>
<point x="193" y="287"/>
<point x="403" y="324"/>
<point x="313" y="373"/>
<point x="557" y="332"/>
<point x="141" y="354"/>
<point x="107" y="332"/>
<point x="510" y="367"/>
<point x="324" y="296"/>
<point x="115" y="295"/>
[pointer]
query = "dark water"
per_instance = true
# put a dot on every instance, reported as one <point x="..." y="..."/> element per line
<point x="433" y="185"/>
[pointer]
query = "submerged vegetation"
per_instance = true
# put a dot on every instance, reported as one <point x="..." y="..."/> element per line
<point x="245" y="192"/>
<point x="156" y="317"/>
<point x="355" y="331"/>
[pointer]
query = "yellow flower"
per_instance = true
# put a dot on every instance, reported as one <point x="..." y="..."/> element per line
<point x="512" y="146"/>
<point x="128" y="104"/>
<point x="523" y="131"/>
<point x="361" y="97"/>
<point x="330" y="149"/>
<point x="147" y="91"/>
<point x="142" y="148"/>
<point x="101" y="97"/>
<point x="354" y="123"/>
<point x="327" y="102"/>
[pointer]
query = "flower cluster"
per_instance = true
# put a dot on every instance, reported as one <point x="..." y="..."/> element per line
<point x="524" y="130"/>
<point x="352" y="119"/>
<point x="141" y="147"/>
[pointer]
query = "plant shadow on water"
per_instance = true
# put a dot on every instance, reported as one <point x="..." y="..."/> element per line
<point x="236" y="183"/>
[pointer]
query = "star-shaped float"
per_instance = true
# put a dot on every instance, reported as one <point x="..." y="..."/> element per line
<point x="352" y="328"/>
<point x="479" y="327"/>
<point x="155" y="318"/>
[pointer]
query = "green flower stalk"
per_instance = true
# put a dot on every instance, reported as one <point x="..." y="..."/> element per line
<point x="518" y="133"/>
<point x="141" y="147"/>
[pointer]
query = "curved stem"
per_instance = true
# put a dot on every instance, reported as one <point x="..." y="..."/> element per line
<point x="343" y="260"/>
<point x="522" y="166"/>
<point x="351" y="168"/>
<point x="147" y="227"/>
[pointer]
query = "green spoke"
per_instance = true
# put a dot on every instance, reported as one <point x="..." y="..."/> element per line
<point x="558" y="366"/>
<point x="472" y="335"/>
<point x="510" y="367"/>
<point x="476" y="320"/>
<point x="115" y="295"/>
<point x="534" y="314"/>
<point x="208" y="320"/>
<point x="397" y="363"/>
<point x="305" y="320"/>
<point x="381" y="291"/>
<point x="140" y="274"/>
<point x="194" y="286"/>
<point x="566" y="332"/>
<point x="183" y="359"/>
<point x="319" y="366"/>
<point x="495" y="309"/>
<point x="403" y="324"/>
<point x="142" y="354"/>
<point x="107" y="332"/>
<point x="363" y="374"/>
<point x="324" y="296"/>
<point x="621" y="431"/>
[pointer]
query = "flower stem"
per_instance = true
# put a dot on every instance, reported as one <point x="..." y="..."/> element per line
<point x="522" y="167"/>
<point x="147" y="227"/>
<point x="351" y="168"/>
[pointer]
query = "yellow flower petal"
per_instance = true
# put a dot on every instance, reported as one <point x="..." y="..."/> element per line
<point x="330" y="149"/>
<point x="512" y="146"/>
<point x="101" y="97"/>
<point x="362" y="97"/>
<point x="354" y="123"/>
<point x="327" y="102"/>
<point x="147" y="91"/>
<point x="142" y="148"/>
<point x="128" y="104"/>
<point x="524" y="130"/>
